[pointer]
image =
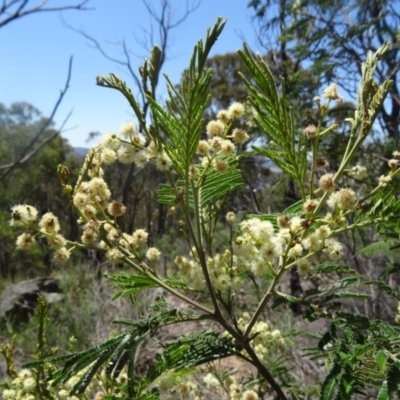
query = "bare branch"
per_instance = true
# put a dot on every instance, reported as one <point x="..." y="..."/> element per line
<point x="164" y="21"/>
<point x="33" y="152"/>
<point x="166" y="12"/>
<point x="24" y="156"/>
<point x="16" y="9"/>
<point x="125" y="63"/>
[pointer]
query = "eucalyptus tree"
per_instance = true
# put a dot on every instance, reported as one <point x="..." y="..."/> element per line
<point x="331" y="38"/>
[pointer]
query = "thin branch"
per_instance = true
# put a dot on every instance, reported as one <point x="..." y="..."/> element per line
<point x="46" y="124"/>
<point x="32" y="153"/>
<point x="21" y="11"/>
<point x="165" y="24"/>
<point x="166" y="6"/>
<point x="125" y="63"/>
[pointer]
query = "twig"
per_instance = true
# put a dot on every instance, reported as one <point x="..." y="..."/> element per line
<point x="20" y="9"/>
<point x="23" y="156"/>
<point x="49" y="139"/>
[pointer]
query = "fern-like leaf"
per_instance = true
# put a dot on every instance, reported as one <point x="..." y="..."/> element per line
<point x="130" y="285"/>
<point x="120" y="351"/>
<point x="275" y="119"/>
<point x="215" y="186"/>
<point x="329" y="387"/>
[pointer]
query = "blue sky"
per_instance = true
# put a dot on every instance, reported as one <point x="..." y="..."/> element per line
<point x="35" y="51"/>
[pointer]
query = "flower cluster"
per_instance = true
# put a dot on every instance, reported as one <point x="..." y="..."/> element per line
<point x="343" y="199"/>
<point x="173" y="388"/>
<point x="132" y="147"/>
<point x="48" y="226"/>
<point x="102" y="234"/>
<point x="331" y="93"/>
<point x="97" y="211"/>
<point x="294" y="242"/>
<point x="259" y="249"/>
<point x="358" y="171"/>
<point x="222" y="138"/>
<point x="92" y="198"/>
<point x="231" y="387"/>
<point x="266" y="340"/>
<point x="24" y="386"/>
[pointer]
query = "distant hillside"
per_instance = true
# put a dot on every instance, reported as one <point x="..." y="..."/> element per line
<point x="81" y="151"/>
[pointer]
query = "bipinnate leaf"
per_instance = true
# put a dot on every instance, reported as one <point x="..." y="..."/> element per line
<point x="193" y="350"/>
<point x="179" y="125"/>
<point x="180" y="355"/>
<point x="383" y="392"/>
<point x="118" y="352"/>
<point x="329" y="267"/>
<point x="381" y="359"/>
<point x="385" y="288"/>
<point x="275" y="120"/>
<point x="283" y="298"/>
<point x="393" y="377"/>
<point x="130" y="285"/>
<point x="342" y="283"/>
<point x="215" y="186"/>
<point x="294" y="209"/>
<point x="114" y="82"/>
<point x="329" y="387"/>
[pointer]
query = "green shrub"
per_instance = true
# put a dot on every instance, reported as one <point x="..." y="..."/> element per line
<point x="204" y="294"/>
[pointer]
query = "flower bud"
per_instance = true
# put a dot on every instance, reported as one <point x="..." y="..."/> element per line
<point x="326" y="183"/>
<point x="311" y="131"/>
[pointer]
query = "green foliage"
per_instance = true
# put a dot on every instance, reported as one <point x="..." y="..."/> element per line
<point x="185" y="353"/>
<point x="275" y="120"/>
<point x="358" y="358"/>
<point x="267" y="250"/>
<point x="130" y="285"/>
<point x="313" y="34"/>
<point x="214" y="188"/>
